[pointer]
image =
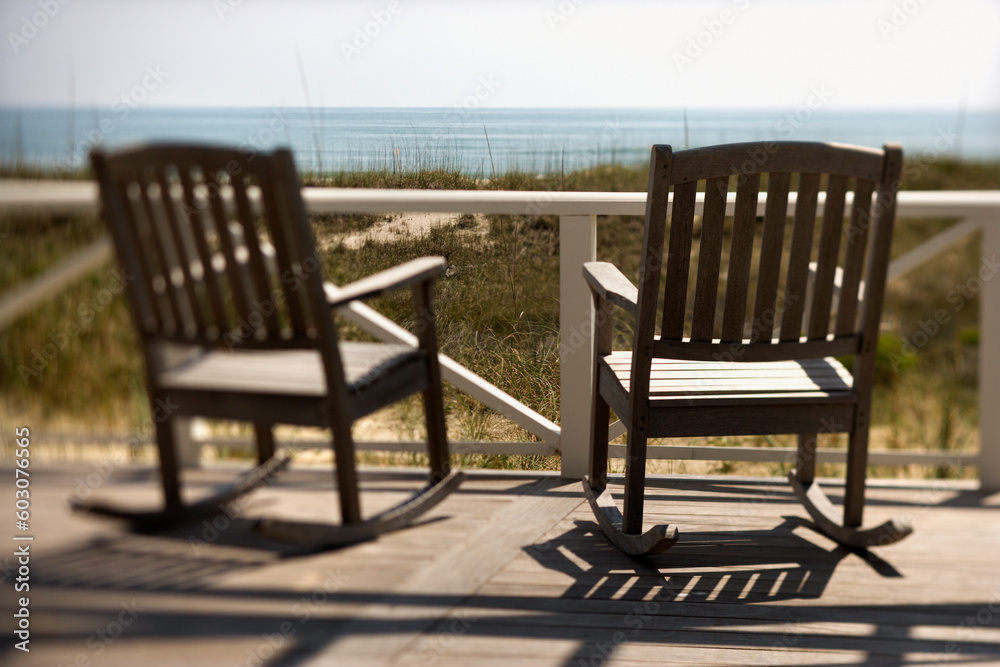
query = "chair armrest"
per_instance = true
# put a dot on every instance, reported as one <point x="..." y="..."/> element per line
<point x="609" y="284"/>
<point x="410" y="273"/>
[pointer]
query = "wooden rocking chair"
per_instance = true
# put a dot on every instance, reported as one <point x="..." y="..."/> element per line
<point x="235" y="322"/>
<point x="714" y="371"/>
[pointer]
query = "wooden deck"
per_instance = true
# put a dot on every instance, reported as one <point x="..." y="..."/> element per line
<point x="508" y="570"/>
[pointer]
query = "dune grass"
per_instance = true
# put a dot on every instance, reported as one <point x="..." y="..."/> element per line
<point x="498" y="315"/>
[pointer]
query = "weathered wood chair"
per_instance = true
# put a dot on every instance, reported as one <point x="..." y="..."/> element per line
<point x="235" y="322"/>
<point x="722" y="366"/>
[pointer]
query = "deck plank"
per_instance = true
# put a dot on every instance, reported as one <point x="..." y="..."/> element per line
<point x="510" y="569"/>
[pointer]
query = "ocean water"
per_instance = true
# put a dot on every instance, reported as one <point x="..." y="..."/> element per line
<point x="480" y="141"/>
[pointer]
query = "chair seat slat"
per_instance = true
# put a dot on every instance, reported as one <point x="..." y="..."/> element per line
<point x="673" y="378"/>
<point x="298" y="372"/>
<point x="746" y="351"/>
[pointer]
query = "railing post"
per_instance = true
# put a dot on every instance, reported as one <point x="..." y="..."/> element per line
<point x="188" y="446"/>
<point x="989" y="359"/>
<point x="577" y="244"/>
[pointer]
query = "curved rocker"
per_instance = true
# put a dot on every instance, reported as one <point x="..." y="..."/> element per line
<point x="824" y="513"/>
<point x="153" y="521"/>
<point x="656" y="540"/>
<point x="325" y="535"/>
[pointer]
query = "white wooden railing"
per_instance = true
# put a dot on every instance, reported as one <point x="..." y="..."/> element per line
<point x="577" y="211"/>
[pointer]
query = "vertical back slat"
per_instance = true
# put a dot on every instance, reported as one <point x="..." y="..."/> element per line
<point x="740" y="256"/>
<point x="234" y="274"/>
<point x="709" y="259"/>
<point x="121" y="215"/>
<point x="678" y="260"/>
<point x="285" y="248"/>
<point x="172" y="245"/>
<point x="800" y="252"/>
<point x="772" y="244"/>
<point x="829" y="253"/>
<point x="857" y="241"/>
<point x="290" y="216"/>
<point x="200" y="233"/>
<point x="163" y="256"/>
<point x="259" y="285"/>
<point x="181" y="248"/>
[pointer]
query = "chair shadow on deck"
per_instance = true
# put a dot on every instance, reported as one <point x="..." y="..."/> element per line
<point x="739" y="567"/>
<point x="721" y="562"/>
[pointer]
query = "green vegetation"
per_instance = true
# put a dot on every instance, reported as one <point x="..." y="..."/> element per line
<point x="498" y="315"/>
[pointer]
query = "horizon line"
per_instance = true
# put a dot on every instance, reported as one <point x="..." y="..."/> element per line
<point x="848" y="109"/>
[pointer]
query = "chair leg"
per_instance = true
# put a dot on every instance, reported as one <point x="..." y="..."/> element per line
<point x="805" y="458"/>
<point x="437" y="438"/>
<point x="635" y="481"/>
<point x="169" y="475"/>
<point x="265" y="441"/>
<point x="600" y="413"/>
<point x="623" y="530"/>
<point x="175" y="512"/>
<point x="346" y="474"/>
<point x="854" y="485"/>
<point x="849" y="531"/>
<point x="633" y="541"/>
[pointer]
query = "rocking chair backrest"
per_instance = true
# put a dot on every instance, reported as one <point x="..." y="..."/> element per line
<point x="217" y="249"/>
<point x="737" y="291"/>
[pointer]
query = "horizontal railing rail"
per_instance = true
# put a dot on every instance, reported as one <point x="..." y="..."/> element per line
<point x="973" y="211"/>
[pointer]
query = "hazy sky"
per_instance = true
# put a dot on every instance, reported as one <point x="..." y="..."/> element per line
<point x="556" y="53"/>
